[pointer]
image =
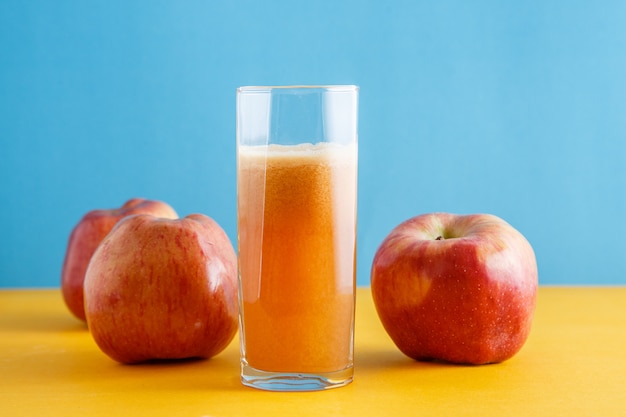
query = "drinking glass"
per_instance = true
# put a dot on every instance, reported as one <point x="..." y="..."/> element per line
<point x="296" y="209"/>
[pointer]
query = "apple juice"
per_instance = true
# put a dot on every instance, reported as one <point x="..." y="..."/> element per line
<point x="297" y="243"/>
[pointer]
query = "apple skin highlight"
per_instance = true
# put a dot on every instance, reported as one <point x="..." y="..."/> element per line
<point x="459" y="289"/>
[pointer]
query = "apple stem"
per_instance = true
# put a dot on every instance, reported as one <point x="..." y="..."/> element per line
<point x="439" y="237"/>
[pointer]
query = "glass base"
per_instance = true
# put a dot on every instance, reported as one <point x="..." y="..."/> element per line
<point x="284" y="381"/>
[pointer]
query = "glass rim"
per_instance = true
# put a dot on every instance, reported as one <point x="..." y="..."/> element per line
<point x="326" y="87"/>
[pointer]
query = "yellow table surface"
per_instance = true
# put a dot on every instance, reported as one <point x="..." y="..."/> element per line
<point x="573" y="364"/>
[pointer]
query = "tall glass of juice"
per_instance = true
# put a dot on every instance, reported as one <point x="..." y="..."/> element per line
<point x="296" y="206"/>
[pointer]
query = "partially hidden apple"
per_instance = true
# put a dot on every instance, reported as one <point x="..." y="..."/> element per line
<point x="159" y="288"/>
<point x="456" y="288"/>
<point x="85" y="238"/>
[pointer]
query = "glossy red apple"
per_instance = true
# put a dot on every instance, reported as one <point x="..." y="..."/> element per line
<point x="455" y="288"/>
<point x="85" y="238"/>
<point x="162" y="289"/>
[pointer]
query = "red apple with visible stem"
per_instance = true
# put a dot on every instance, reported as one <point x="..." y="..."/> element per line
<point x="456" y="288"/>
<point x="158" y="288"/>
<point x="85" y="238"/>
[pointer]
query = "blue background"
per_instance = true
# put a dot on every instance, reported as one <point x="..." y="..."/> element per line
<point x="512" y="108"/>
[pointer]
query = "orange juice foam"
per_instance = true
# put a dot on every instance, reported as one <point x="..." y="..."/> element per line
<point x="297" y="243"/>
